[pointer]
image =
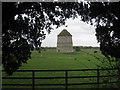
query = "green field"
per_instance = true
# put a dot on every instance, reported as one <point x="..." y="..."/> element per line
<point x="49" y="60"/>
<point x="53" y="60"/>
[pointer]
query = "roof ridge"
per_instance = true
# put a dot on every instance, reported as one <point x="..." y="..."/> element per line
<point x="64" y="32"/>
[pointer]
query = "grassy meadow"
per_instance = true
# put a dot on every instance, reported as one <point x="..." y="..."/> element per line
<point x="51" y="60"/>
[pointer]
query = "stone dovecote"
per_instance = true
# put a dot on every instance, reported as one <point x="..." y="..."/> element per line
<point x="64" y="42"/>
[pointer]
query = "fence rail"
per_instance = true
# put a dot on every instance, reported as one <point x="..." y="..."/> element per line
<point x="66" y="77"/>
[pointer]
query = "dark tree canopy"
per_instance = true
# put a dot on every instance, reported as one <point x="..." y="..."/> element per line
<point x="24" y="24"/>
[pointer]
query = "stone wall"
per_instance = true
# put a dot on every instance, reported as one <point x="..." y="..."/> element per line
<point x="64" y="44"/>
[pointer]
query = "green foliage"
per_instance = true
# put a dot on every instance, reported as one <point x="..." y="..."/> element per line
<point x="32" y="18"/>
<point x="108" y="62"/>
<point x="28" y="26"/>
<point x="77" y="48"/>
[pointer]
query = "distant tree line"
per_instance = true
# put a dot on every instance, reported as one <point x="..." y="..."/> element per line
<point x="76" y="48"/>
<point x="85" y="47"/>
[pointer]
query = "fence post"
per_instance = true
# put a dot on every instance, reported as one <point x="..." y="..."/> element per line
<point x="98" y="80"/>
<point x="66" y="79"/>
<point x="33" y="80"/>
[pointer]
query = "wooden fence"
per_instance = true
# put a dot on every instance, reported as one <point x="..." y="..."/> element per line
<point x="66" y="78"/>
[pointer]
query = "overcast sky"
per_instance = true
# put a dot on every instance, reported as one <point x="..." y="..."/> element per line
<point x="82" y="34"/>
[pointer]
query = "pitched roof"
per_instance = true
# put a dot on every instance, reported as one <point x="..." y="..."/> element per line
<point x="64" y="32"/>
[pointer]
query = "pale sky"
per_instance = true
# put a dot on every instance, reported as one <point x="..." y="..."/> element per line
<point x="82" y="33"/>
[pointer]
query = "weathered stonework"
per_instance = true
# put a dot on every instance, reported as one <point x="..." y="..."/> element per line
<point x="64" y="42"/>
